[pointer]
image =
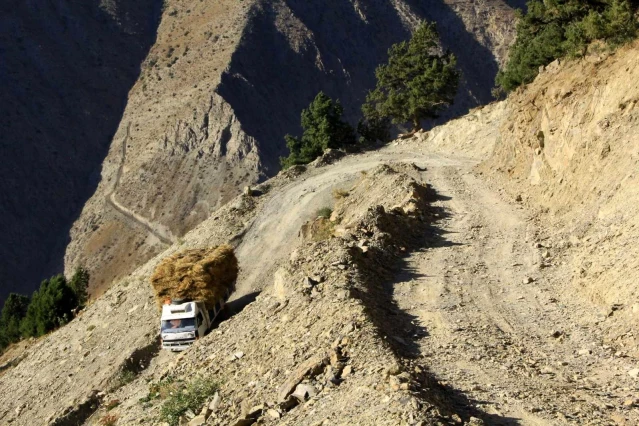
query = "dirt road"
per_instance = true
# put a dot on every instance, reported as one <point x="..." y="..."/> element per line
<point x="161" y="232"/>
<point x="499" y="329"/>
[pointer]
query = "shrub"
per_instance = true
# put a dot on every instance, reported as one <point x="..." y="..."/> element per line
<point x="109" y="420"/>
<point x="324" y="212"/>
<point x="339" y="193"/>
<point x="123" y="378"/>
<point x="414" y="85"/>
<point x="191" y="398"/>
<point x="79" y="284"/>
<point x="554" y="29"/>
<point x="323" y="129"/>
<point x="51" y="306"/>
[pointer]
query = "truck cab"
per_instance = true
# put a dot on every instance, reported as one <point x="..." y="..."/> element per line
<point x="183" y="322"/>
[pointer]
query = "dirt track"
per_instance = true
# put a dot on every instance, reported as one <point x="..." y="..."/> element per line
<point x="499" y="330"/>
<point x="161" y="232"/>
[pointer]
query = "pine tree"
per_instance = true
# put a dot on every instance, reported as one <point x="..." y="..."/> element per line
<point x="552" y="29"/>
<point x="13" y="311"/>
<point x="323" y="129"/>
<point x="416" y="83"/>
<point x="51" y="306"/>
<point x="79" y="284"/>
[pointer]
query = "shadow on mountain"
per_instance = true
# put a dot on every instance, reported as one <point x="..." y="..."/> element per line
<point x="66" y="71"/>
<point x="273" y="77"/>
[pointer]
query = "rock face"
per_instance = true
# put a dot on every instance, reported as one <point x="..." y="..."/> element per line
<point x="222" y="85"/>
<point x="66" y="70"/>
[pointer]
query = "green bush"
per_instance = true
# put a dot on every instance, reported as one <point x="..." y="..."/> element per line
<point x="415" y="84"/>
<point x="180" y="400"/>
<point x="323" y="129"/>
<point x="51" y="307"/>
<point x="553" y="29"/>
<point x="324" y="212"/>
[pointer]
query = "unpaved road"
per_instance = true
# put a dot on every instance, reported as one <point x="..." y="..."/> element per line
<point x="519" y="352"/>
<point x="161" y="232"/>
<point x="272" y="235"/>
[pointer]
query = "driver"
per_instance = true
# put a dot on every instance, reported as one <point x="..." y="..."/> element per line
<point x="176" y="323"/>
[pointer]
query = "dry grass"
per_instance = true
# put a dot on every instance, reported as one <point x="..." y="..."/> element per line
<point x="339" y="193"/>
<point x="198" y="274"/>
<point x="109" y="420"/>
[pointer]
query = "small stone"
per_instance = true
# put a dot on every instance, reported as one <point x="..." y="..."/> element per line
<point x="394" y="369"/>
<point x="348" y="370"/>
<point x="528" y="280"/>
<point x="238" y="355"/>
<point x="584" y="352"/>
<point x="198" y="421"/>
<point x="557" y="334"/>
<point x="518" y="198"/>
<point x="274" y="414"/>
<point x="634" y="373"/>
<point x="304" y="392"/>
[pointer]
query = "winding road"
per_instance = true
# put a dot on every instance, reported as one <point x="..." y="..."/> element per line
<point x="161" y="232"/>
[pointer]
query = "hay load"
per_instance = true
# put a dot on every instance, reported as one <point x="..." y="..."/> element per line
<point x="198" y="274"/>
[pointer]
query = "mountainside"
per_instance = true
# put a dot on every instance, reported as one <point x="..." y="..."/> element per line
<point x="482" y="272"/>
<point x="66" y="70"/>
<point x="221" y="87"/>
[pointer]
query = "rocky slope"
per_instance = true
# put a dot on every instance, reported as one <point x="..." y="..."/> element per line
<point x="66" y="70"/>
<point x="222" y="85"/>
<point x="463" y="285"/>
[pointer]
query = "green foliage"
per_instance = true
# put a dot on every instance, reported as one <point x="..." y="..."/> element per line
<point x="374" y="128"/>
<point x="552" y="29"/>
<point x="323" y="129"/>
<point x="190" y="398"/>
<point x="416" y="83"/>
<point x="79" y="284"/>
<point x="13" y="311"/>
<point x="51" y="306"/>
<point x="324" y="212"/>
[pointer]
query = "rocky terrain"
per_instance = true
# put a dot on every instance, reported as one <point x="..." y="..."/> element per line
<point x="222" y="85"/>
<point x="66" y="71"/>
<point x="482" y="272"/>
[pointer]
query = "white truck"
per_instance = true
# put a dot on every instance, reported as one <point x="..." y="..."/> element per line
<point x="183" y="322"/>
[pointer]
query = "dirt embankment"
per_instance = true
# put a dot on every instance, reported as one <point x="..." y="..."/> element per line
<point x="568" y="146"/>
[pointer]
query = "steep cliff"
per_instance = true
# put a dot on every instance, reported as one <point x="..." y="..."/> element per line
<point x="223" y="84"/>
<point x="66" y="70"/>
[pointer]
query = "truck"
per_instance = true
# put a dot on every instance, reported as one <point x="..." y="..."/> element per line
<point x="184" y="321"/>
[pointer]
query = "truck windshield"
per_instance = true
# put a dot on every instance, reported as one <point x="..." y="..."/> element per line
<point x="178" y="324"/>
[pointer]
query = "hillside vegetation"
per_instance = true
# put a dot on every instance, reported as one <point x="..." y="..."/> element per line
<point x="553" y="29"/>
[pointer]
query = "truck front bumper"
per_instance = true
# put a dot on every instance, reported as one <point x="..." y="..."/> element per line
<point x="177" y="345"/>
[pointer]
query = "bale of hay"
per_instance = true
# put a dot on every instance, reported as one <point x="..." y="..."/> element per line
<point x="198" y="274"/>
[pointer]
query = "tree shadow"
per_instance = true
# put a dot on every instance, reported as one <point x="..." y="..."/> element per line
<point x="67" y="68"/>
<point x="380" y="270"/>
